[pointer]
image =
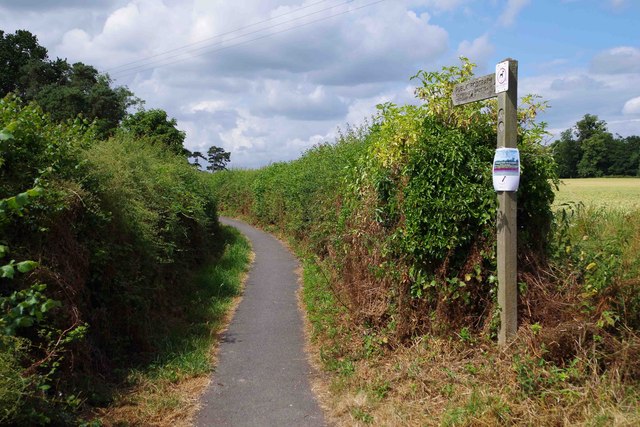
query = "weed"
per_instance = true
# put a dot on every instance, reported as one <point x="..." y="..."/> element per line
<point x="478" y="409"/>
<point x="380" y="389"/>
<point x="471" y="368"/>
<point x="361" y="415"/>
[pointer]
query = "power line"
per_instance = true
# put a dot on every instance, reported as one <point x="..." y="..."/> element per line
<point x="223" y="34"/>
<point x="144" y="67"/>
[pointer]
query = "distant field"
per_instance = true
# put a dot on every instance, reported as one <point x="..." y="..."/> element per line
<point x="614" y="193"/>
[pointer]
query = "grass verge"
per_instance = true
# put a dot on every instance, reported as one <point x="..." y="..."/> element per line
<point x="461" y="380"/>
<point x="165" y="392"/>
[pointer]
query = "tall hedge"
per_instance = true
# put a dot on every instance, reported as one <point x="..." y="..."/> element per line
<point x="96" y="238"/>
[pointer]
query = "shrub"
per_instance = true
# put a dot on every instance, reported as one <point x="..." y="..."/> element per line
<point x="115" y="226"/>
<point x="418" y="239"/>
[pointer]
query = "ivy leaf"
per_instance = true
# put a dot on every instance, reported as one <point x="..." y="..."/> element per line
<point x="26" y="266"/>
<point x="7" y="271"/>
<point x="22" y="200"/>
<point x="49" y="304"/>
<point x="24" y="322"/>
<point x="5" y="135"/>
<point x="4" y="250"/>
<point x="35" y="192"/>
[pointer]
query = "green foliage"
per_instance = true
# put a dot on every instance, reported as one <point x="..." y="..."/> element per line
<point x="156" y="127"/>
<point x="65" y="91"/>
<point x="596" y="249"/>
<point x="217" y="158"/>
<point x="17" y="51"/>
<point x="536" y="376"/>
<point x="425" y="186"/>
<point x="299" y="196"/>
<point x="489" y="409"/>
<point x="589" y="150"/>
<point x="184" y="347"/>
<point x="25" y="308"/>
<point x="33" y="149"/>
<point x="13" y="385"/>
<point x="154" y="195"/>
<point x="115" y="225"/>
<point x="442" y="191"/>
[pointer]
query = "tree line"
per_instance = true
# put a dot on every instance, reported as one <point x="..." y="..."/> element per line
<point x="67" y="91"/>
<point x="589" y="150"/>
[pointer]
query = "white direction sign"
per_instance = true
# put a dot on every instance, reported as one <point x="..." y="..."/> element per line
<point x="502" y="77"/>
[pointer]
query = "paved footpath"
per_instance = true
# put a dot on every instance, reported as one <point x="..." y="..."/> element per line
<point x="262" y="376"/>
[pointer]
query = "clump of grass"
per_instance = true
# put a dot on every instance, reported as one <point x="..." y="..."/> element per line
<point x="165" y="392"/>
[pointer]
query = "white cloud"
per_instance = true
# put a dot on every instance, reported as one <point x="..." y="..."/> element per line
<point x="576" y="92"/>
<point x="478" y="51"/>
<point x="576" y="83"/>
<point x="210" y="106"/>
<point x="618" y="60"/>
<point x="511" y="11"/>
<point x="632" y="106"/>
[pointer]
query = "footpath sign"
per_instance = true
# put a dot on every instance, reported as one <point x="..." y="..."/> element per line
<point x="503" y="84"/>
<point x="474" y="90"/>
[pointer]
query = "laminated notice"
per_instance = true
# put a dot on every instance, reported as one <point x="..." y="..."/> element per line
<point x="506" y="169"/>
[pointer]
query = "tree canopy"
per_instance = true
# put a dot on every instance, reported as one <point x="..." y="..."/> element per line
<point x="156" y="125"/>
<point x="63" y="90"/>
<point x="217" y="158"/>
<point x="588" y="149"/>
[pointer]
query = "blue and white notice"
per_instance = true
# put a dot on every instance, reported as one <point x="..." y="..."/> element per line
<point x="506" y="169"/>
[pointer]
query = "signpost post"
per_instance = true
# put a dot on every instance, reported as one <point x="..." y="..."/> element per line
<point x="504" y="85"/>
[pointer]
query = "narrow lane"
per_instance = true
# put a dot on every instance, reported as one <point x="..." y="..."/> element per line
<point x="262" y="376"/>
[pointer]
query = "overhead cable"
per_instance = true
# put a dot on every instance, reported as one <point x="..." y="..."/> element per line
<point x="160" y="62"/>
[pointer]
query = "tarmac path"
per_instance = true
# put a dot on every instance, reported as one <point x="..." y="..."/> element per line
<point x="262" y="375"/>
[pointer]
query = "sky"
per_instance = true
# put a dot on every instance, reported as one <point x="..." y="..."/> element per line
<point x="268" y="79"/>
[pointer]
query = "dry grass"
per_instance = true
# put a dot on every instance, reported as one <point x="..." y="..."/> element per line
<point x="460" y="380"/>
<point x="437" y="382"/>
<point x="612" y="193"/>
<point x="157" y="404"/>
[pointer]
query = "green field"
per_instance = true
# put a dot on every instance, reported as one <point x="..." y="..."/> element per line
<point x="610" y="193"/>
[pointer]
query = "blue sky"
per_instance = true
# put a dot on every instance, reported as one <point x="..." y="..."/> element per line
<point x="267" y="93"/>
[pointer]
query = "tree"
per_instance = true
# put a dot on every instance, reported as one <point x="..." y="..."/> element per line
<point x="567" y="154"/>
<point x="156" y="125"/>
<point x="18" y="51"/>
<point x="588" y="127"/>
<point x="595" y="161"/>
<point x="217" y="158"/>
<point x="62" y="90"/>
<point x="623" y="155"/>
<point x="583" y="150"/>
<point x="196" y="155"/>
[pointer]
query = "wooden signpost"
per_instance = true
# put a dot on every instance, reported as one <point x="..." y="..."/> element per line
<point x="503" y="85"/>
